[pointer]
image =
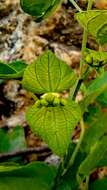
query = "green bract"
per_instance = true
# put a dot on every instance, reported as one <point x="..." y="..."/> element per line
<point x="54" y="124"/>
<point x="40" y="9"/>
<point x="48" y="74"/>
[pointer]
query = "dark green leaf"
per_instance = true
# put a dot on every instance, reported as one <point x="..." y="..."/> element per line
<point x="95" y="21"/>
<point x="54" y="124"/>
<point x="40" y="9"/>
<point x="100" y="184"/>
<point x="95" y="141"/>
<point x="32" y="176"/>
<point x="97" y="87"/>
<point x="102" y="99"/>
<point x="96" y="128"/>
<point x="96" y="154"/>
<point x="96" y="124"/>
<point x="12" y="140"/>
<point x="48" y="74"/>
<point x="14" y="69"/>
<point x="69" y="180"/>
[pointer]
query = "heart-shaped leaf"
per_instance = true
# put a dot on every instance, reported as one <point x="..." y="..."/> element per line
<point x="54" y="124"/>
<point x="33" y="176"/>
<point x="14" y="69"/>
<point x="95" y="22"/>
<point x="48" y="74"/>
<point x="40" y="9"/>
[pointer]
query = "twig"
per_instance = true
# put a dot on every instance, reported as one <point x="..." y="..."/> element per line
<point x="38" y="150"/>
<point x="75" y="5"/>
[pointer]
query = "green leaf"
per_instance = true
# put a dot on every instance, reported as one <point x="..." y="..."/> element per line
<point x="48" y="74"/>
<point x="96" y="154"/>
<point x="97" y="87"/>
<point x="95" y="21"/>
<point x="32" y="176"/>
<point x="102" y="99"/>
<point x="54" y="124"/>
<point x="94" y="142"/>
<point x="14" y="69"/>
<point x="69" y="180"/>
<point x="12" y="140"/>
<point x="96" y="124"/>
<point x="100" y="184"/>
<point x="40" y="9"/>
<point x="96" y="128"/>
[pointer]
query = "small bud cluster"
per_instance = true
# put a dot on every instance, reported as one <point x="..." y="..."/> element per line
<point x="51" y="100"/>
<point x="93" y="61"/>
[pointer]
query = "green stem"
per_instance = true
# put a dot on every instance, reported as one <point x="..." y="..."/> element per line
<point x="84" y="42"/>
<point x="86" y="185"/>
<point x="90" y="3"/>
<point x="75" y="5"/>
<point x="33" y="96"/>
<point x="59" y="174"/>
<point x="77" y="88"/>
<point x="71" y="161"/>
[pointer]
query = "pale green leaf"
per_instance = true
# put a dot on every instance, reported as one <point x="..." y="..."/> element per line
<point x="54" y="124"/>
<point x="95" y="21"/>
<point x="14" y="69"/>
<point x="48" y="74"/>
<point x="32" y="176"/>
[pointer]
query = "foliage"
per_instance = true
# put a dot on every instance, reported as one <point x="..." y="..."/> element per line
<point x="32" y="176"/>
<point x="58" y="121"/>
<point x="95" y="22"/>
<point x="99" y="184"/>
<point x="14" y="69"/>
<point x="48" y="74"/>
<point x="54" y="117"/>
<point x="12" y="140"/>
<point x="39" y="9"/>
